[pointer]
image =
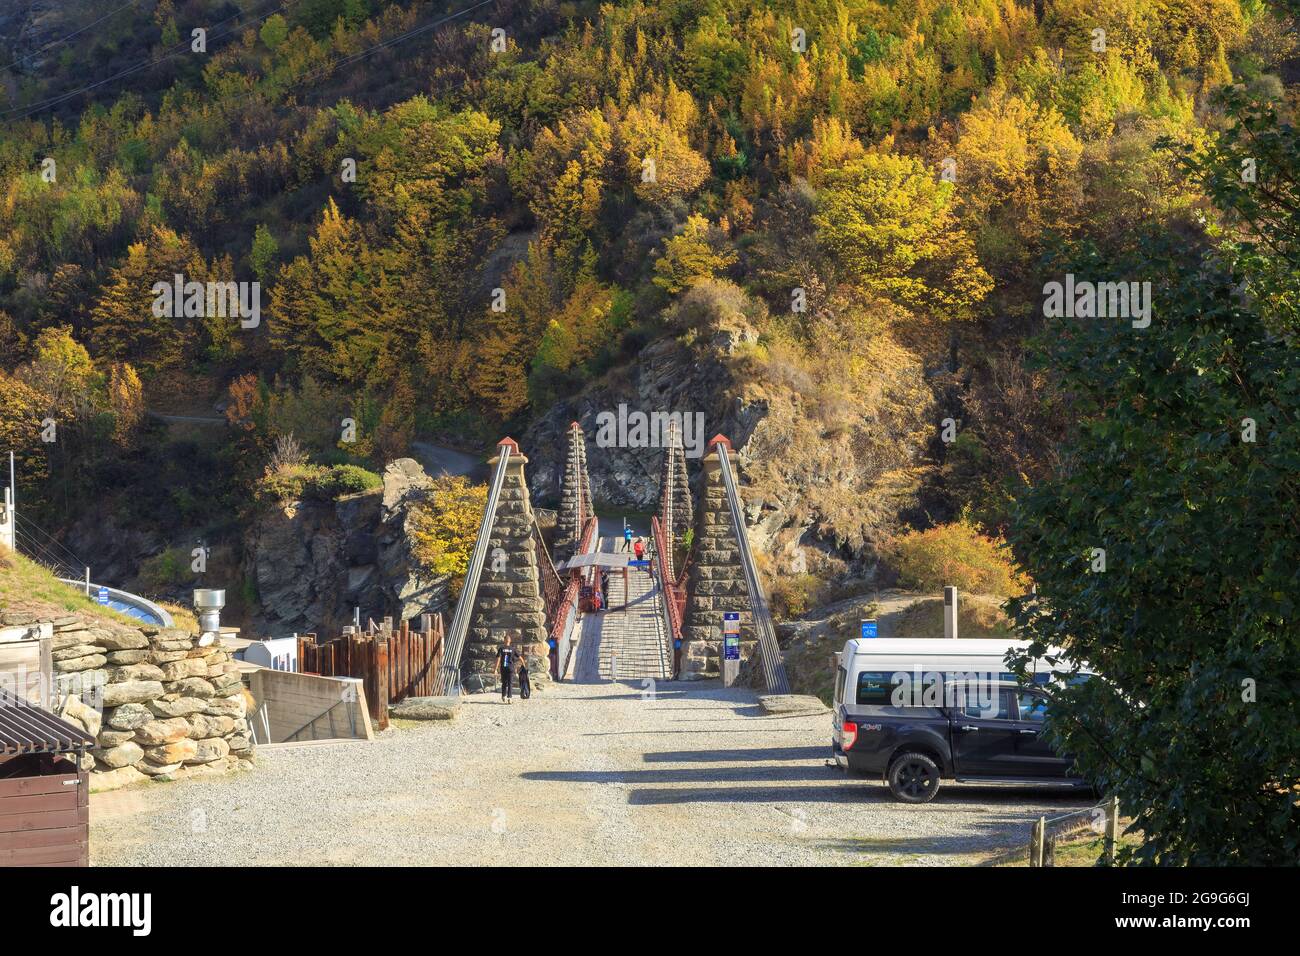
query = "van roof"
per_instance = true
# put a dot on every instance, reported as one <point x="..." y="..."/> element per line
<point x="930" y="647"/>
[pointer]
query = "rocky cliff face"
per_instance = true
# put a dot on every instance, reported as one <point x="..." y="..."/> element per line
<point x="823" y="470"/>
<point x="314" y="561"/>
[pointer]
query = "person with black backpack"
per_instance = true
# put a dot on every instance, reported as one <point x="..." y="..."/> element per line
<point x="507" y="657"/>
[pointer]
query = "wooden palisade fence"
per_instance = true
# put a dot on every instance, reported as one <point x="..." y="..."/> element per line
<point x="392" y="664"/>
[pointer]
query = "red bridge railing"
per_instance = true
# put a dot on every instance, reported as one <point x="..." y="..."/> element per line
<point x="674" y="593"/>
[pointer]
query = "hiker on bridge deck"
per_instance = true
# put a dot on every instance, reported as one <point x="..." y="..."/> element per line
<point x="507" y="657"/>
<point x="627" y="537"/>
<point x="639" y="549"/>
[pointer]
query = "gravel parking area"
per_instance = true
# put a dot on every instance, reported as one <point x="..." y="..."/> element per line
<point x="693" y="774"/>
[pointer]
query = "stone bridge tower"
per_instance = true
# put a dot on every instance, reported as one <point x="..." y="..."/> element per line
<point x="717" y="580"/>
<point x="575" y="496"/>
<point x="509" y="593"/>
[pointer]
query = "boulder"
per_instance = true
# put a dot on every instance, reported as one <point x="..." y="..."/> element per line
<point x="88" y="718"/>
<point x="186" y="645"/>
<point x="166" y="731"/>
<point x="237" y="743"/>
<point x="129" y="717"/>
<point x="128" y="657"/>
<point x="176" y="752"/>
<point x="158" y="771"/>
<point x="83" y="663"/>
<point x="113" y="779"/>
<point x="123" y="755"/>
<point x="190" y="667"/>
<point x="73" y="651"/>
<point x="206" y="751"/>
<point x="121" y="639"/>
<point x="232" y="706"/>
<point x="108" y="739"/>
<point x="201" y="726"/>
<point x="426" y="708"/>
<point x="226" y="684"/>
<point x="135" y="672"/>
<point x="192" y="687"/>
<point x="131" y="692"/>
<point x="166" y="657"/>
<point x="172" y="705"/>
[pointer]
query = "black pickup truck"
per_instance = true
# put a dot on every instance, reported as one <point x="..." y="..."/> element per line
<point x="996" y="738"/>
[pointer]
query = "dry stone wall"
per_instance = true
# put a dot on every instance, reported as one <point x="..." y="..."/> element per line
<point x="158" y="705"/>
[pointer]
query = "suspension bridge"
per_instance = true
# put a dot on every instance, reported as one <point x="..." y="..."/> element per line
<point x="584" y="610"/>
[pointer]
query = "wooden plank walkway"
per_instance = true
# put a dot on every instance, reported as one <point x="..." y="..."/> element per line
<point x="619" y="644"/>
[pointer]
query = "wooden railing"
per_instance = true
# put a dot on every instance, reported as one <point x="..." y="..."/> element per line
<point x="392" y="664"/>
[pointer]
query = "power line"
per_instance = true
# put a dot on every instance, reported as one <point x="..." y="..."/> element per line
<point x="69" y="36"/>
<point x="33" y="108"/>
<point x="32" y="528"/>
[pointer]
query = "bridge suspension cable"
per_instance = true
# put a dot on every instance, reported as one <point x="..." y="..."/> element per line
<point x="769" y="649"/>
<point x="449" y="675"/>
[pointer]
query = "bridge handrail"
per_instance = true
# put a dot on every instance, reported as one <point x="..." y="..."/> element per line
<point x="559" y="623"/>
<point x="450" y="670"/>
<point x="670" y="589"/>
<point x="769" y="649"/>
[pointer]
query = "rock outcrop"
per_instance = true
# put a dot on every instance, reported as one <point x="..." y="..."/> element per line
<point x="315" y="561"/>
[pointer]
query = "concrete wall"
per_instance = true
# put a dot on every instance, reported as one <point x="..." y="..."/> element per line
<point x="298" y="707"/>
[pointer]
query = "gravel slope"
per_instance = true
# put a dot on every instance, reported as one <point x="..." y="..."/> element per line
<point x="579" y="775"/>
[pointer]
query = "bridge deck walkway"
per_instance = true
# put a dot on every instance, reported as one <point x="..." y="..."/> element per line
<point x="627" y="640"/>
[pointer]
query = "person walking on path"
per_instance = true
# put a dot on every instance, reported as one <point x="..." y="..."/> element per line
<point x="525" y="689"/>
<point x="506" y="659"/>
<point x="639" y="548"/>
<point x="627" y="537"/>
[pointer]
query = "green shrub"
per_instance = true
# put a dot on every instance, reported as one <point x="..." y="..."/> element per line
<point x="166" y="569"/>
<point x="296" y="482"/>
<point x="793" y="595"/>
<point x="347" y="480"/>
<point x="956" y="554"/>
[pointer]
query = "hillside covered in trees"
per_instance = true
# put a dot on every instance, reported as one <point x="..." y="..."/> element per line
<point x="461" y="216"/>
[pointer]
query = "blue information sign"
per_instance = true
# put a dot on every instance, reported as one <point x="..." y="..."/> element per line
<point x="103" y="595"/>
<point x="869" y="628"/>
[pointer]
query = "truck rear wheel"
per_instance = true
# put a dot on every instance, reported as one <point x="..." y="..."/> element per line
<point x="913" y="778"/>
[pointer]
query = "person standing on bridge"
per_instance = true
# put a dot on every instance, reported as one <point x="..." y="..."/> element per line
<point x="639" y="549"/>
<point x="627" y="537"/>
<point x="506" y="659"/>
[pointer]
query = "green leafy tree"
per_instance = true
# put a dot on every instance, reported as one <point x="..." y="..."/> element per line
<point x="1164" y="555"/>
<point x="891" y="225"/>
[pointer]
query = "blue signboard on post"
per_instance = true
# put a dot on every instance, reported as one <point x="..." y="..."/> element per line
<point x="103" y="595"/>
<point x="869" y="627"/>
<point x="731" y="636"/>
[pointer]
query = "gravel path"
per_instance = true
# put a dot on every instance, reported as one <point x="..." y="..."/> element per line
<point x="581" y="774"/>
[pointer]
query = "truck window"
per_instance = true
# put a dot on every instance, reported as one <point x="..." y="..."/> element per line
<point x="999" y="709"/>
<point x="1031" y="706"/>
<point x="840" y="678"/>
